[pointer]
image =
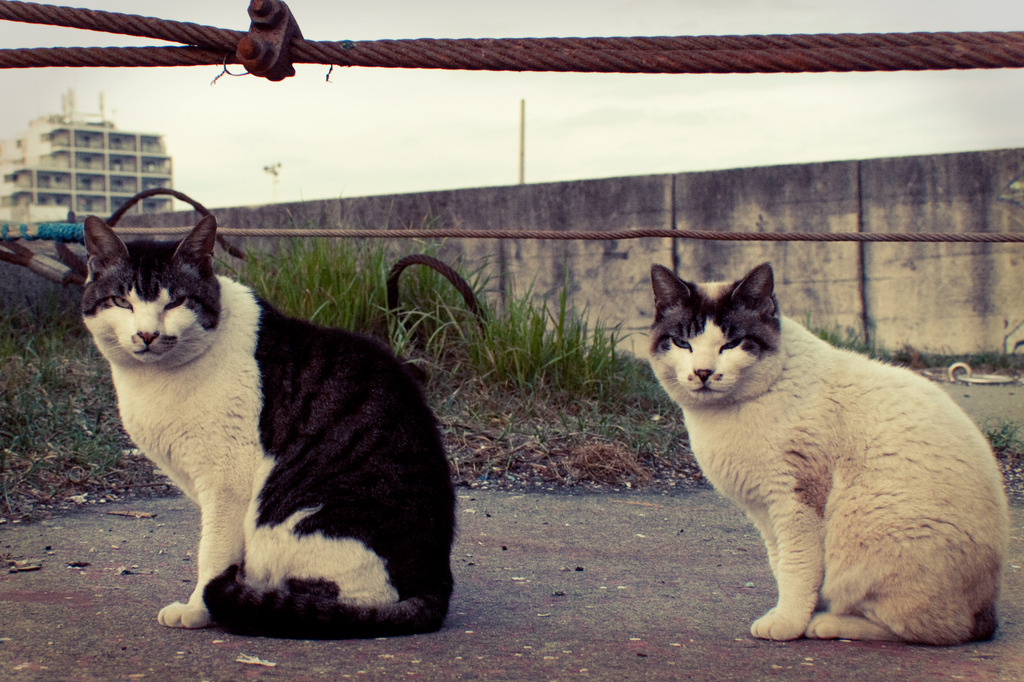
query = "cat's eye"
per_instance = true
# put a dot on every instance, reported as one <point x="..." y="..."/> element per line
<point x="685" y="345"/>
<point x="176" y="303"/>
<point x="732" y="344"/>
<point x="121" y="302"/>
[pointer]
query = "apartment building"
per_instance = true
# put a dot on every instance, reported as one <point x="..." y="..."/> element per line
<point x="63" y="163"/>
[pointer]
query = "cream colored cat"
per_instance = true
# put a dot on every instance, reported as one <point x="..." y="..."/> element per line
<point x="879" y="500"/>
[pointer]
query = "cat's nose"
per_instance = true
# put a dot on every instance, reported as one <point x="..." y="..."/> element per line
<point x="148" y="337"/>
<point x="704" y="374"/>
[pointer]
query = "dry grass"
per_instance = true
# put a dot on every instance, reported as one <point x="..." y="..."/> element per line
<point x="565" y="461"/>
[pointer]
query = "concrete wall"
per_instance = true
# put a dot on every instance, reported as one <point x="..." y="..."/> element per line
<point x="961" y="296"/>
<point x="816" y="280"/>
<point x="956" y="298"/>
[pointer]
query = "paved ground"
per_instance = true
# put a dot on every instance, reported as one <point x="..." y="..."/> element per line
<point x="549" y="587"/>
<point x="988" y="402"/>
<point x="622" y="586"/>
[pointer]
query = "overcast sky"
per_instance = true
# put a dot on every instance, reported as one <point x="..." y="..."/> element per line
<point x="384" y="131"/>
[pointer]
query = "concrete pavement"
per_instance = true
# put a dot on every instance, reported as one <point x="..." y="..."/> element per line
<point x="549" y="586"/>
<point x="987" y="402"/>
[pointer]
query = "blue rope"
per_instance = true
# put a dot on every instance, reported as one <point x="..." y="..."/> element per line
<point x="58" y="232"/>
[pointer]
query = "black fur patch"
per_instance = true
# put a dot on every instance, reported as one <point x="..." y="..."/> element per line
<point x="310" y="609"/>
<point x="354" y="438"/>
<point x="746" y="311"/>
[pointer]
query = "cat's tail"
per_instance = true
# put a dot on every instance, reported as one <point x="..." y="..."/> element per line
<point x="306" y="610"/>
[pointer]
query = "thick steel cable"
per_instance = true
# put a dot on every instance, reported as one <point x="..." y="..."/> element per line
<point x="153" y="192"/>
<point x="112" y="57"/>
<point x="984" y="237"/>
<point x="697" y="54"/>
<point x="711" y="54"/>
<point x="442" y="268"/>
<point x="126" y="24"/>
<point x="428" y="54"/>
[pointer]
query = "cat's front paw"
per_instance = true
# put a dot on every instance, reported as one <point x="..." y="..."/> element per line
<point x="178" y="615"/>
<point x="778" y="626"/>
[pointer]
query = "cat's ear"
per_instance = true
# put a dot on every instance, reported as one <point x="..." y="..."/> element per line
<point x="197" y="246"/>
<point x="669" y="290"/>
<point x="103" y="246"/>
<point x="756" y="291"/>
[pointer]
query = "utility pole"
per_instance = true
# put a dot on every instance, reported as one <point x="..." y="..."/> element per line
<point x="522" y="141"/>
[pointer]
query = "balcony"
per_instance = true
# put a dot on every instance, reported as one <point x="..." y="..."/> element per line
<point x="53" y="199"/>
<point x="58" y="138"/>
<point x="85" y="139"/>
<point x="91" y="204"/>
<point x="21" y="179"/>
<point x="155" y="165"/>
<point x="45" y="180"/>
<point x="56" y="160"/>
<point x="124" y="184"/>
<point x="88" y="161"/>
<point x="120" y="163"/>
<point x="155" y="183"/>
<point x="90" y="183"/>
<point x="122" y="143"/>
<point x="151" y="144"/>
<point x="21" y="198"/>
<point x="156" y="205"/>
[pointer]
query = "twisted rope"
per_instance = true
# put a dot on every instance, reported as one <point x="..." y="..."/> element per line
<point x="183" y="32"/>
<point x="707" y="54"/>
<point x="111" y="57"/>
<point x="985" y="237"/>
<point x="697" y="54"/>
<point x="72" y="232"/>
<point x="58" y="232"/>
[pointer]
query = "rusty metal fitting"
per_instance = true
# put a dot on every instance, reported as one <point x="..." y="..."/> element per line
<point x="264" y="50"/>
<point x="265" y="11"/>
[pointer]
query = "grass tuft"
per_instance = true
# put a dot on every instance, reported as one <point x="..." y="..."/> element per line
<point x="60" y="432"/>
<point x="1006" y="437"/>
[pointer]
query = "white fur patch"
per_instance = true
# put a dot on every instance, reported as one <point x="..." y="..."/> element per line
<point x="273" y="554"/>
<point x="166" y="407"/>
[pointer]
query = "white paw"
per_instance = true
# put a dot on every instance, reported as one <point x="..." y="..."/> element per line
<point x="178" y="615"/>
<point x="824" y="626"/>
<point x="778" y="626"/>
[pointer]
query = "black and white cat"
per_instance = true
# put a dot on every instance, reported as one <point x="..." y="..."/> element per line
<point x="877" y="497"/>
<point x="327" y="506"/>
